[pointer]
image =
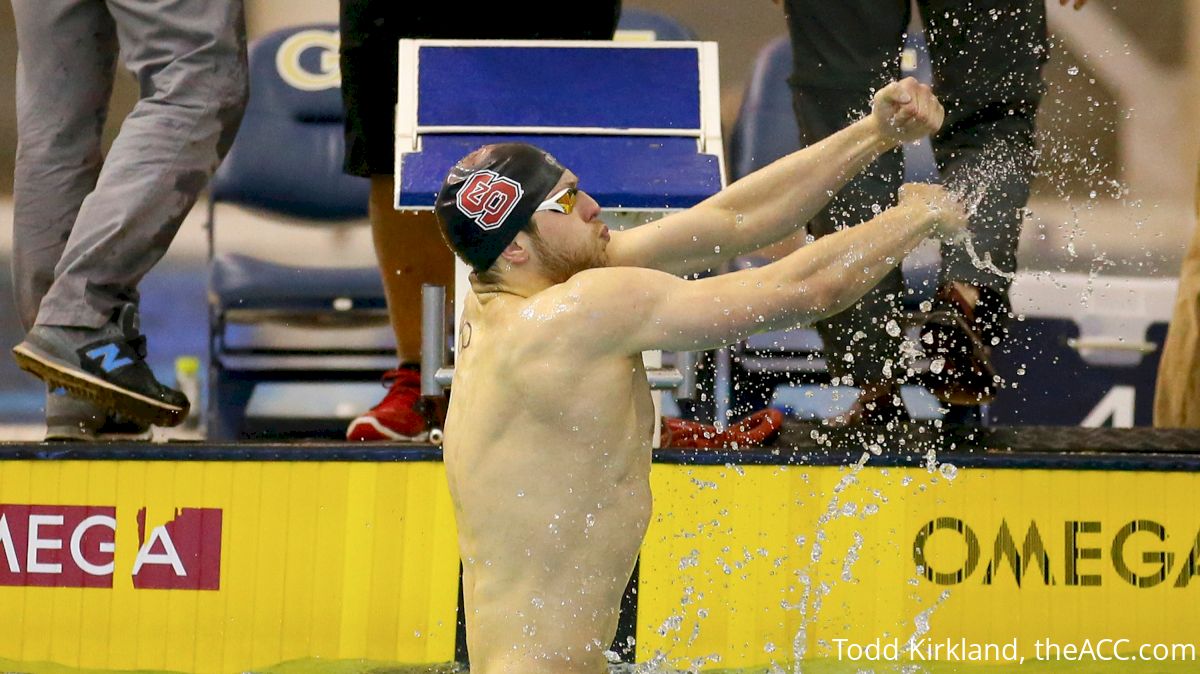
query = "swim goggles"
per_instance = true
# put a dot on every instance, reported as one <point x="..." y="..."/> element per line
<point x="562" y="201"/>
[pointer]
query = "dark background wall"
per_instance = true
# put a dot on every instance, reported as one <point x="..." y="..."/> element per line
<point x="1078" y="112"/>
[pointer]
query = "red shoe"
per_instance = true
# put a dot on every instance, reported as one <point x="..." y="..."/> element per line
<point x="753" y="431"/>
<point x="399" y="416"/>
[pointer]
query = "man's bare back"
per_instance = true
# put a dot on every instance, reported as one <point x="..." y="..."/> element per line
<point x="548" y="456"/>
<point x="547" y="443"/>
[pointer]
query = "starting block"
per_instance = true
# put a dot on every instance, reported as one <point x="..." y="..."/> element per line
<point x="639" y="123"/>
<point x="1084" y="350"/>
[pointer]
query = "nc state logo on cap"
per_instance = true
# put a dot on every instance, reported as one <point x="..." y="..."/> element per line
<point x="488" y="198"/>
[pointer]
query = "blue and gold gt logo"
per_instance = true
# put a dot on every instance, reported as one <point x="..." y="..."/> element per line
<point x="299" y="73"/>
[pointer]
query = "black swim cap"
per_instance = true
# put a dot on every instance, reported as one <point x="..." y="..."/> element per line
<point x="490" y="195"/>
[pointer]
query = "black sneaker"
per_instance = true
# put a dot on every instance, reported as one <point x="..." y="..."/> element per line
<point x="71" y="419"/>
<point x="960" y="338"/>
<point x="106" y="366"/>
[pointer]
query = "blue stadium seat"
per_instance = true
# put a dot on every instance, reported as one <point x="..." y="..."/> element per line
<point x="272" y="322"/>
<point x="662" y="26"/>
<point x="765" y="128"/>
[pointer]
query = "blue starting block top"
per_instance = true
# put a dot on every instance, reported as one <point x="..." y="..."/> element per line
<point x="639" y="123"/>
<point x="622" y="172"/>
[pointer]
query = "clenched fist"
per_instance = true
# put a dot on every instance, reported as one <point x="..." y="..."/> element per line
<point x="948" y="212"/>
<point x="906" y="111"/>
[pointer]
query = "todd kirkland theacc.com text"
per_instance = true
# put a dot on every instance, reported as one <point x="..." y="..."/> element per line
<point x="963" y="650"/>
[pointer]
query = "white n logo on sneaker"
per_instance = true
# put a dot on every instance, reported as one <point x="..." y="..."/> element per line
<point x="109" y="357"/>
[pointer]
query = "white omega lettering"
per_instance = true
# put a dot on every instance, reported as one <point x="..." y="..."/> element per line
<point x="168" y="556"/>
<point x="107" y="546"/>
<point x="10" y="550"/>
<point x="36" y="544"/>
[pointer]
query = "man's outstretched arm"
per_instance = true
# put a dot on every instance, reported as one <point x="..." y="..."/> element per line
<point x="634" y="310"/>
<point x="773" y="202"/>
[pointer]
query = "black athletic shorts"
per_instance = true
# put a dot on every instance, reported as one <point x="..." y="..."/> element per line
<point x="370" y="30"/>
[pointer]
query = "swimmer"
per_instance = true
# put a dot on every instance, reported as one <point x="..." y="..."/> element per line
<point x="547" y="440"/>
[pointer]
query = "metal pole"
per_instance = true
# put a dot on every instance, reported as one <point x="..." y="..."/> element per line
<point x="685" y="362"/>
<point x="433" y="337"/>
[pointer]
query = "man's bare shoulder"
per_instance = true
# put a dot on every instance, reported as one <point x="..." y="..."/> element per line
<point x="603" y="302"/>
<point x="603" y="286"/>
<point x="629" y="279"/>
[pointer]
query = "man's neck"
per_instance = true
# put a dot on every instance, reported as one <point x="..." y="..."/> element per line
<point x="515" y="283"/>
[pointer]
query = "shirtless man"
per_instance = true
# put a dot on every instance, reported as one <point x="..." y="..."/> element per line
<point x="547" y="442"/>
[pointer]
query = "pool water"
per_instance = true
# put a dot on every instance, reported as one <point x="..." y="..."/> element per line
<point x="817" y="666"/>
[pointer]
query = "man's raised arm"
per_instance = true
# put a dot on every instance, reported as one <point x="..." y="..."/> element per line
<point x="773" y="202"/>
<point x="632" y="310"/>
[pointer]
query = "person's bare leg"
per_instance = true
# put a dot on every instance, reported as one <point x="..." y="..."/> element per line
<point x="411" y="253"/>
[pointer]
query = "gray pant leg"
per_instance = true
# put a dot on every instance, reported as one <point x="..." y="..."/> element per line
<point x="857" y="342"/>
<point x="189" y="59"/>
<point x="67" y="52"/>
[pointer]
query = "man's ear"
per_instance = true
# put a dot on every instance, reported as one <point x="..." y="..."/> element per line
<point x="517" y="252"/>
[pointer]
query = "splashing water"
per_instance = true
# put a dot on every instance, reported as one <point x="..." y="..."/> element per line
<point x="811" y="597"/>
<point x="921" y="621"/>
<point x="970" y="184"/>
<point x="812" y="591"/>
<point x="852" y="557"/>
<point x="985" y="263"/>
